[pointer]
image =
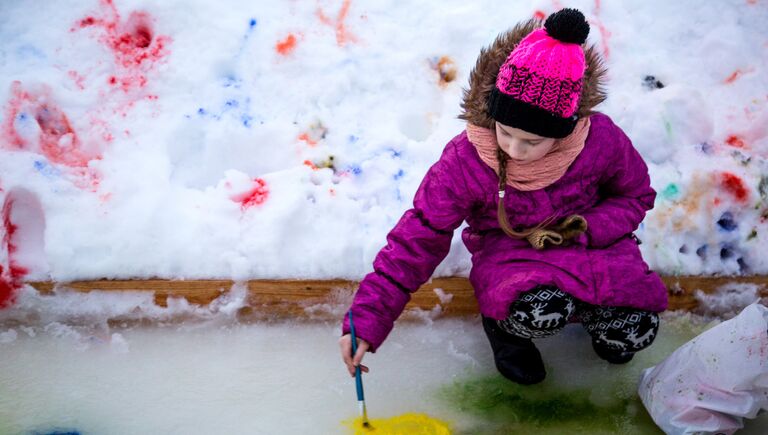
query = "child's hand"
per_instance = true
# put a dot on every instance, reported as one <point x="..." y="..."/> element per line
<point x="345" y="343"/>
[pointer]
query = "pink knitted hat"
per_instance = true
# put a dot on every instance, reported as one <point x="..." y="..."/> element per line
<point x="538" y="86"/>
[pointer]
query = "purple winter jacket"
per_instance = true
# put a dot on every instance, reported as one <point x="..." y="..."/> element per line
<point x="608" y="184"/>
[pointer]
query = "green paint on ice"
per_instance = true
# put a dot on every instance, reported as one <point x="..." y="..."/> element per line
<point x="546" y="408"/>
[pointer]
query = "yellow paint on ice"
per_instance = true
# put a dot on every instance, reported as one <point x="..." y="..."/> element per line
<point x="406" y="424"/>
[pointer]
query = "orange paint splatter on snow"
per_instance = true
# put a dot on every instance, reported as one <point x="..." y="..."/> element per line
<point x="735" y="186"/>
<point x="257" y="195"/>
<point x="310" y="164"/>
<point x="446" y="68"/>
<point x="287" y="45"/>
<point x="342" y="35"/>
<point x="305" y="138"/>
<point x="735" y="141"/>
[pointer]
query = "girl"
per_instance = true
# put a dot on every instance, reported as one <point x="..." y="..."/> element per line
<point x="551" y="192"/>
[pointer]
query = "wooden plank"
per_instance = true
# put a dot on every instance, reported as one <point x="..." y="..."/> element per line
<point x="279" y="298"/>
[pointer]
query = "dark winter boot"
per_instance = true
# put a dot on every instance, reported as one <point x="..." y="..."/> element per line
<point x="611" y="355"/>
<point x="516" y="358"/>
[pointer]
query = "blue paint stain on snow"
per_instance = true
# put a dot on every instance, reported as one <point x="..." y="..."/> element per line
<point x="355" y="169"/>
<point x="231" y="80"/>
<point x="252" y="23"/>
<point x="46" y="169"/>
<point x="352" y="138"/>
<point x="398" y="176"/>
<point x="395" y="153"/>
<point x="726" y="222"/>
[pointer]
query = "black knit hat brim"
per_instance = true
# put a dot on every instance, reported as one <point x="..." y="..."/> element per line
<point x="518" y="114"/>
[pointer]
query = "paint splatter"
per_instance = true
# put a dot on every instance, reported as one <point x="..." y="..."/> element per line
<point x="735" y="75"/>
<point x="446" y="68"/>
<point x="671" y="191"/>
<point x="287" y="45"/>
<point x="56" y="139"/>
<point x="735" y="141"/>
<point x="652" y="83"/>
<point x="727" y="222"/>
<point x="410" y="423"/>
<point x="133" y="43"/>
<point x="735" y="186"/>
<point x="343" y="36"/>
<point x="257" y="195"/>
<point x="12" y="276"/>
<point x="605" y="35"/>
<point x="539" y="15"/>
<point x="316" y="132"/>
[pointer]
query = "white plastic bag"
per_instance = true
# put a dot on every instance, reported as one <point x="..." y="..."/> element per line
<point x="712" y="382"/>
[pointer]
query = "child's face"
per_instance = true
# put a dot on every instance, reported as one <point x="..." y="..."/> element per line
<point x="521" y="146"/>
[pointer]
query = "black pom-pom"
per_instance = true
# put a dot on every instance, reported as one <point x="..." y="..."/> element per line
<point x="567" y="25"/>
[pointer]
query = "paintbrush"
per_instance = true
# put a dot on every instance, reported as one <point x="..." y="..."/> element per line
<point x="358" y="376"/>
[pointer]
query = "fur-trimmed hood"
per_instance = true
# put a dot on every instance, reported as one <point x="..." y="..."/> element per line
<point x="482" y="79"/>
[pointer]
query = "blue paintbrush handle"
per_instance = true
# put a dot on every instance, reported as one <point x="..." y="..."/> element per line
<point x="358" y="374"/>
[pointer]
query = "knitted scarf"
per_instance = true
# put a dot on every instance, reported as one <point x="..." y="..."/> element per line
<point x="537" y="174"/>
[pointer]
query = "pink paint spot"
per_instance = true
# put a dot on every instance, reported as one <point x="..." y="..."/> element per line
<point x="734" y="185"/>
<point x="133" y="43"/>
<point x="342" y="35"/>
<point x="57" y="140"/>
<point x="77" y="78"/>
<point x="254" y="196"/>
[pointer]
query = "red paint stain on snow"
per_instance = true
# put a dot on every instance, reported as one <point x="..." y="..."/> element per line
<point x="310" y="164"/>
<point x="77" y="78"/>
<point x="605" y="35"/>
<point x="254" y="196"/>
<point x="539" y="15"/>
<point x="287" y="45"/>
<point x="735" y="141"/>
<point x="343" y="37"/>
<point x="732" y="78"/>
<point x="12" y="277"/>
<point x="133" y="43"/>
<point x="735" y="186"/>
<point x="57" y="140"/>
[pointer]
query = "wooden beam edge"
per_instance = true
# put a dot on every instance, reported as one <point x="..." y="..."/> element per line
<point x="451" y="296"/>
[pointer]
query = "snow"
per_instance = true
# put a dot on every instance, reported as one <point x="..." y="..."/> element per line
<point x="284" y="140"/>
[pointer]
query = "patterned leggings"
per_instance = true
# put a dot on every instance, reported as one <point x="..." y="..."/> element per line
<point x="545" y="310"/>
